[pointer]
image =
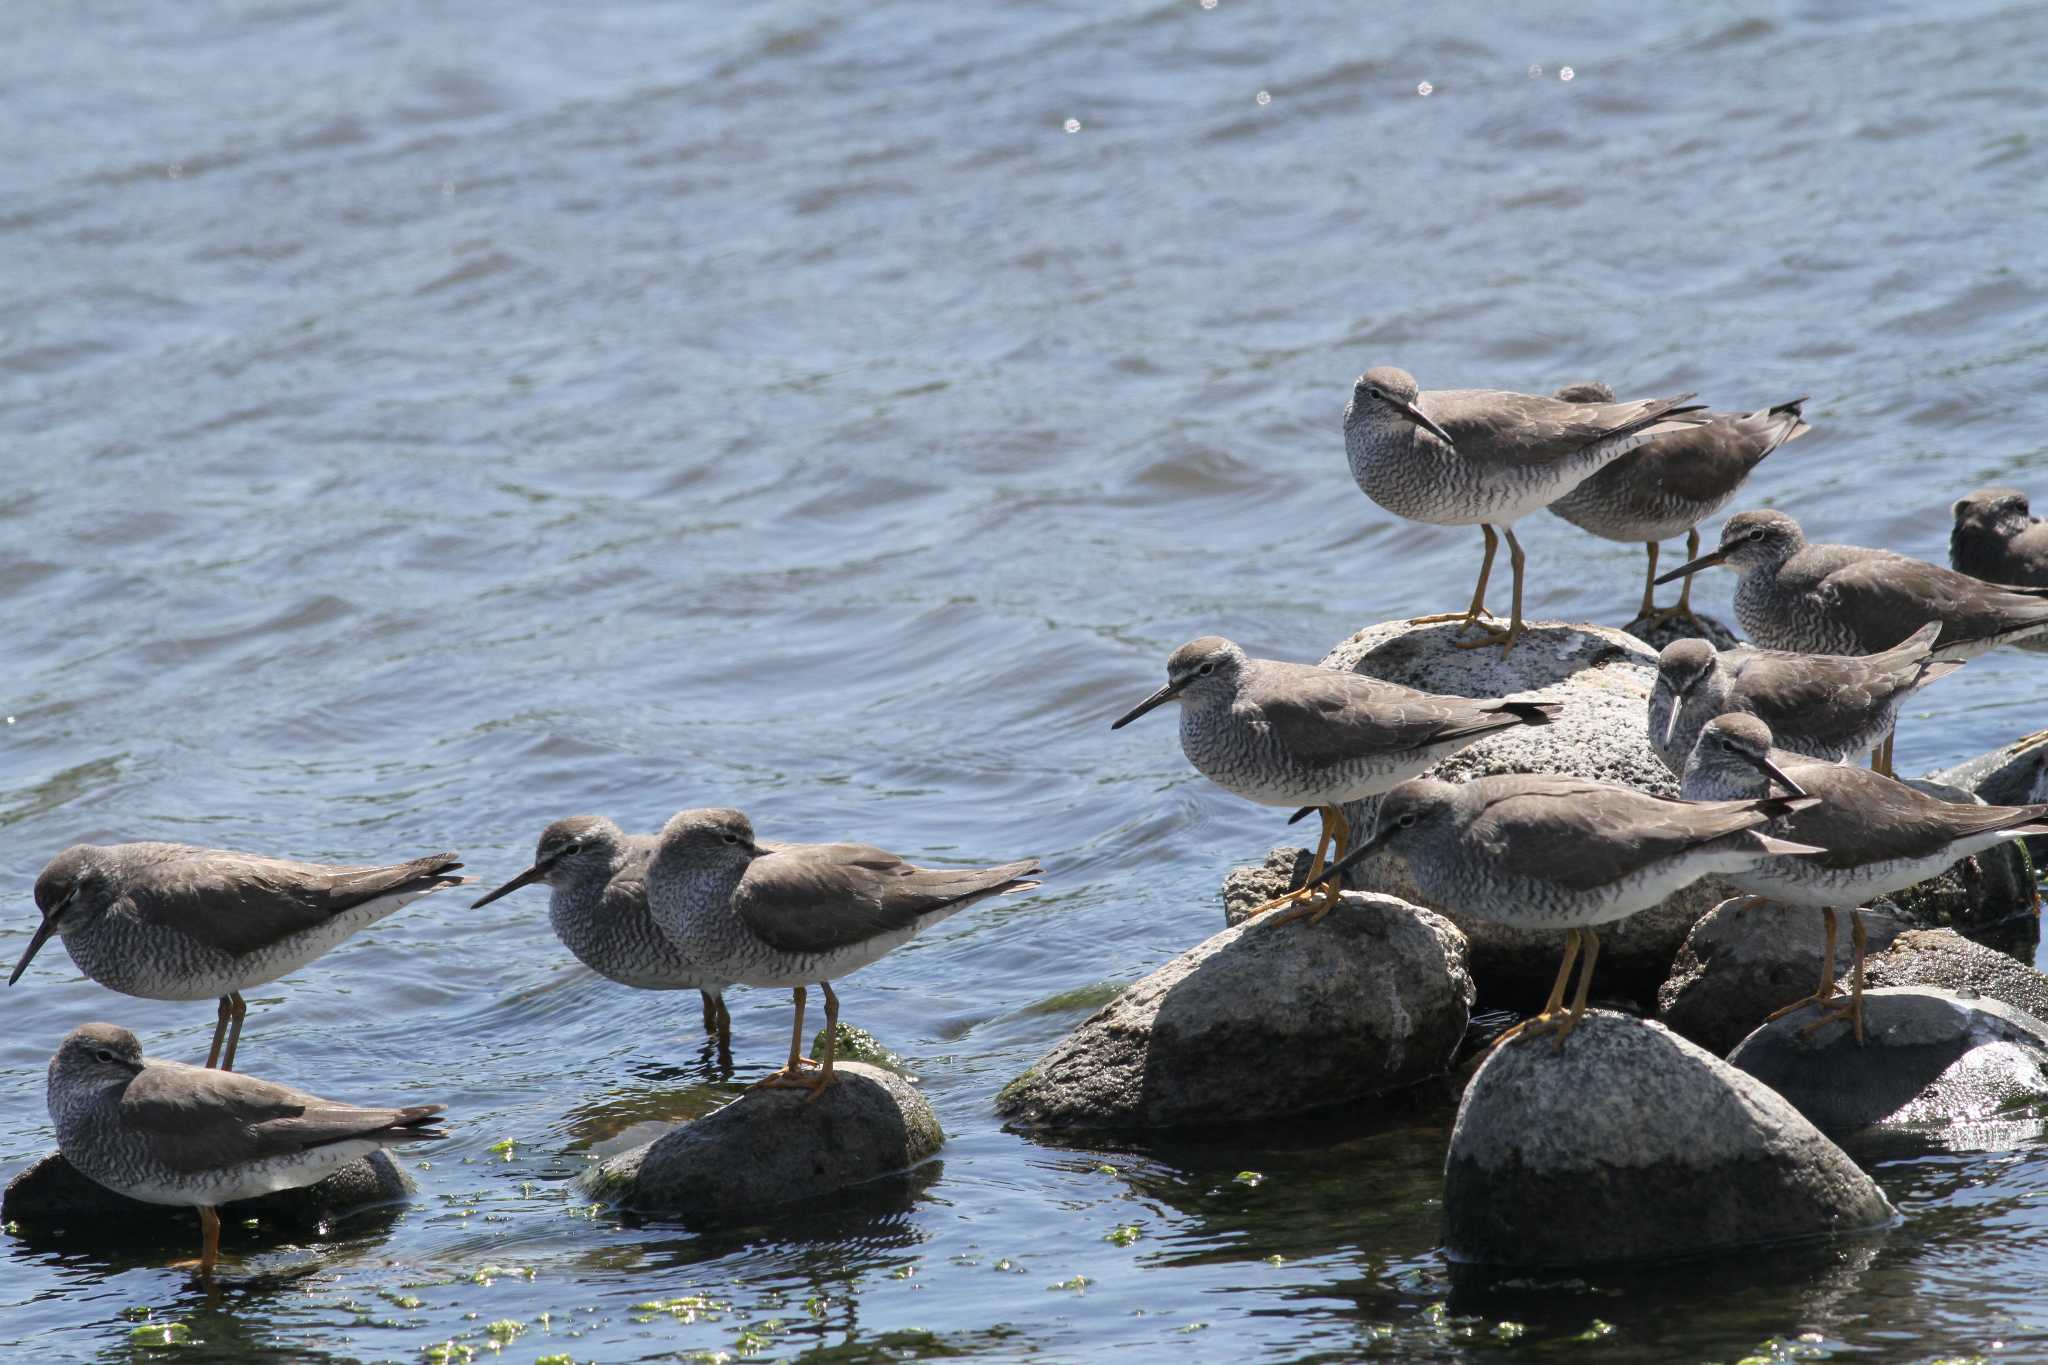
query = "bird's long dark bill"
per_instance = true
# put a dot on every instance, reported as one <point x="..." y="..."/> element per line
<point x="35" y="945"/>
<point x="1159" y="698"/>
<point x="526" y="878"/>
<point x="1414" y="414"/>
<point x="1351" y="859"/>
<point x="1705" y="561"/>
<point x="1772" y="771"/>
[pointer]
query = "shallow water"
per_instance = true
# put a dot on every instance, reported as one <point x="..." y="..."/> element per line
<point x="421" y="430"/>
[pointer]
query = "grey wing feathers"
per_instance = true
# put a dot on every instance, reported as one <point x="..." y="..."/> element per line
<point x="1532" y="429"/>
<point x="1865" y="818"/>
<point x="199" y="1119"/>
<point x="1324" y="717"/>
<point x="238" y="903"/>
<point x="815" y="898"/>
<point x="1874" y="594"/>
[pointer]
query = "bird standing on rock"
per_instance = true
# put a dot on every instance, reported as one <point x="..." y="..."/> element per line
<point x="1459" y="457"/>
<point x="1827" y="706"/>
<point x="1673" y="483"/>
<point x="791" y="914"/>
<point x="1544" y="852"/>
<point x="175" y="922"/>
<point x="168" y="1133"/>
<point x="1291" y="734"/>
<point x="1876" y="835"/>
<point x="596" y="875"/>
<point x="1845" y="599"/>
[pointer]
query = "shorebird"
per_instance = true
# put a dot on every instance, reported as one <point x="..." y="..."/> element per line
<point x="1876" y="835"/>
<point x="1998" y="538"/>
<point x="1833" y="707"/>
<point x="175" y="922"/>
<point x="791" y="914"/>
<point x="1669" y="486"/>
<point x="1460" y="457"/>
<point x="1289" y="734"/>
<point x="596" y="875"/>
<point x="1544" y="852"/>
<point x="1844" y="599"/>
<point x="168" y="1133"/>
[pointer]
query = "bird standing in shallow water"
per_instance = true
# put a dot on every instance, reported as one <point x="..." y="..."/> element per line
<point x="1875" y="834"/>
<point x="1845" y="599"/>
<point x="1290" y="734"/>
<point x="1673" y="483"/>
<point x="175" y="922"/>
<point x="596" y="875"/>
<point x="1459" y="457"/>
<point x="168" y="1133"/>
<point x="791" y="914"/>
<point x="1543" y="852"/>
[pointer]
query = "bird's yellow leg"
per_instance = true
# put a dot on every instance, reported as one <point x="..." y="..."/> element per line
<point x="1478" y="607"/>
<point x="220" y="1033"/>
<point x="793" y="1074"/>
<point x="1648" y="610"/>
<point x="1881" y="756"/>
<point x="1826" y="989"/>
<point x="1338" y="829"/>
<point x="1851" y="1009"/>
<point x="1555" y="1001"/>
<point x="1333" y="816"/>
<point x="209" y="1245"/>
<point x="238" y="1009"/>
<point x="1682" y="609"/>
<point x="1494" y="634"/>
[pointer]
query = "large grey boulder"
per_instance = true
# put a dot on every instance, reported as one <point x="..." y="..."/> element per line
<point x="1930" y="1056"/>
<point x="1633" y="1144"/>
<point x="1602" y="678"/>
<point x="1944" y="958"/>
<point x="51" y="1194"/>
<point x="2014" y="774"/>
<point x="1263" y="1019"/>
<point x="771" y="1147"/>
<point x="1742" y="961"/>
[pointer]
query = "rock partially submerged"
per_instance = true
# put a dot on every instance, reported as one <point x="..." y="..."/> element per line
<point x="776" y="1147"/>
<point x="1264" y="1019"/>
<point x="1944" y="958"/>
<point x="52" y="1194"/>
<point x="1602" y="678"/>
<point x="2014" y="774"/>
<point x="1633" y="1144"/>
<point x="1742" y="961"/>
<point x="1930" y="1057"/>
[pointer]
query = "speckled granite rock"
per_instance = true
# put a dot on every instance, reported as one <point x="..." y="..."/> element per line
<point x="1741" y="962"/>
<point x="771" y="1147"/>
<point x="1603" y="678"/>
<point x="1929" y="1056"/>
<point x="1263" y="1019"/>
<point x="52" y="1193"/>
<point x="1944" y="958"/>
<point x="1632" y="1144"/>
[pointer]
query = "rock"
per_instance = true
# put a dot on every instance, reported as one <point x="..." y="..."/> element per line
<point x="1632" y="1144"/>
<point x="1930" y="1056"/>
<point x="1944" y="958"/>
<point x="1603" y="678"/>
<point x="1247" y="888"/>
<point x="2014" y="774"/>
<point x="1263" y="1019"/>
<point x="52" y="1193"/>
<point x="858" y="1045"/>
<point x="1988" y="896"/>
<point x="1742" y="961"/>
<point x="1701" y="627"/>
<point x="772" y="1147"/>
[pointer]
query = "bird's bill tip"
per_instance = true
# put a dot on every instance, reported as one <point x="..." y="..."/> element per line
<point x="1157" y="699"/>
<point x="35" y="945"/>
<point x="1421" y="419"/>
<point x="1687" y="570"/>
<point x="526" y="878"/>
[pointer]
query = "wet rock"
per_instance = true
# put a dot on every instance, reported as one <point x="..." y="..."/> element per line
<point x="2014" y="774"/>
<point x="1701" y="627"/>
<point x="1263" y="1019"/>
<point x="858" y="1045"/>
<point x="1603" y="678"/>
<point x="771" y="1147"/>
<point x="1988" y="896"/>
<point x="1634" y="1144"/>
<point x="1930" y="1056"/>
<point x="52" y="1193"/>
<point x="1742" y="961"/>
<point x="1944" y="958"/>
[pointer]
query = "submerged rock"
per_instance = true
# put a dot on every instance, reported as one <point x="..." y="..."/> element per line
<point x="1929" y="1056"/>
<point x="771" y="1147"/>
<point x="53" y="1193"/>
<point x="1743" y="961"/>
<point x="1603" y="678"/>
<point x="1944" y="958"/>
<point x="1633" y="1144"/>
<point x="1262" y="1019"/>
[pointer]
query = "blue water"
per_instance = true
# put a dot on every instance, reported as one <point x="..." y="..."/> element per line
<point x="425" y="422"/>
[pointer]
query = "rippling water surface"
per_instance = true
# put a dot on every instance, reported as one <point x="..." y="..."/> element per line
<point x="425" y="422"/>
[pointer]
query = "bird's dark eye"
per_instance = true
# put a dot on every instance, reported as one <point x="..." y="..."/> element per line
<point x="730" y="838"/>
<point x="1757" y="534"/>
<point x="1206" y="669"/>
<point x="1406" y="819"/>
<point x="103" y="1055"/>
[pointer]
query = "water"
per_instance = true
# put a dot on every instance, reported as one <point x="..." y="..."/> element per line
<point x="423" y="426"/>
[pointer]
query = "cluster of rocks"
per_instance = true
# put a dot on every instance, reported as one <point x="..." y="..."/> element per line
<point x="1605" y="1149"/>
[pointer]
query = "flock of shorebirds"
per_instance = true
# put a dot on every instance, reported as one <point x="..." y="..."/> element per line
<point x="1760" y="737"/>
